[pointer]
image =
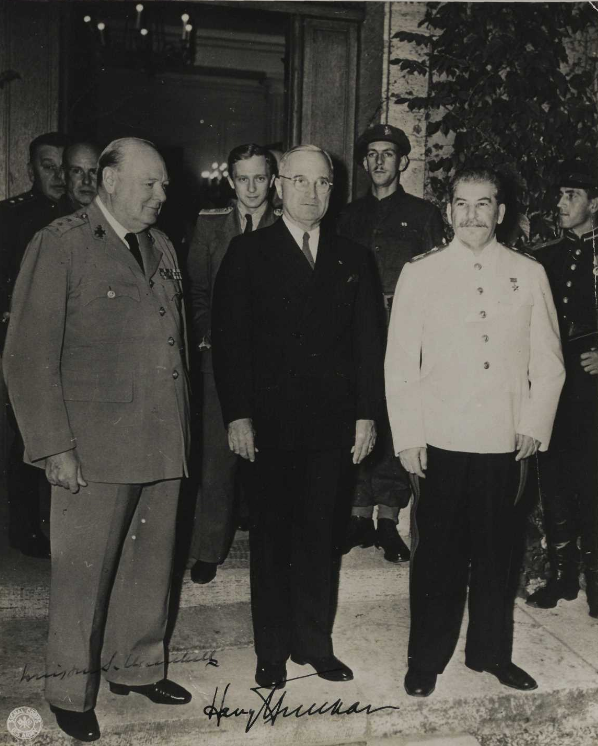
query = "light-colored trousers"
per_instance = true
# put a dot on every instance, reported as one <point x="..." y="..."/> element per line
<point x="112" y="548"/>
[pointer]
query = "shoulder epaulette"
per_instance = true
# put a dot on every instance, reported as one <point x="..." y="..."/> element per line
<point x="521" y="253"/>
<point x="19" y="199"/>
<point x="428" y="253"/>
<point x="278" y="211"/>
<point x="544" y="244"/>
<point x="63" y="225"/>
<point x="217" y="211"/>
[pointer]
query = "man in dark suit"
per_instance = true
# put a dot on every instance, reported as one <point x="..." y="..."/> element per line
<point x="94" y="363"/>
<point x="297" y="351"/>
<point x="251" y="171"/>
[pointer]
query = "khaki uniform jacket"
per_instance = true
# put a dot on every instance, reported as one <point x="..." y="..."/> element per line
<point x="94" y="357"/>
<point x="214" y="231"/>
<point x="473" y="354"/>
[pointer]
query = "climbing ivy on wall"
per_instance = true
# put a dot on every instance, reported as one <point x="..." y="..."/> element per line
<point x="507" y="86"/>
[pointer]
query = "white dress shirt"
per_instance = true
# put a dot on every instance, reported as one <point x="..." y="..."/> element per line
<point x="297" y="233"/>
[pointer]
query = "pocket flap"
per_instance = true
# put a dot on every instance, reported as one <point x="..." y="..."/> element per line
<point x="110" y="291"/>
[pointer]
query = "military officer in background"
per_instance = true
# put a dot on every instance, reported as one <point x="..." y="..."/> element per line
<point x="20" y="218"/>
<point x="251" y="170"/>
<point x="94" y="364"/>
<point x="474" y="370"/>
<point x="569" y="470"/>
<point x="80" y="163"/>
<point x="396" y="226"/>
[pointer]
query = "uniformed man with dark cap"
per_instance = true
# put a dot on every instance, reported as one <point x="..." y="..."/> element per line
<point x="20" y="218"/>
<point x="396" y="226"/>
<point x="569" y="470"/>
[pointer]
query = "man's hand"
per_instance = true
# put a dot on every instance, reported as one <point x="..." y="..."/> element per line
<point x="525" y="446"/>
<point x="241" y="438"/>
<point x="415" y="460"/>
<point x="365" y="439"/>
<point x="589" y="361"/>
<point x="64" y="470"/>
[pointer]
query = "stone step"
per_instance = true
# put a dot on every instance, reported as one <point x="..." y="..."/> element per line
<point x="25" y="582"/>
<point x="465" y="709"/>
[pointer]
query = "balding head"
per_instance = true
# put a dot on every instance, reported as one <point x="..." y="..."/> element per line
<point x="80" y="162"/>
<point x="133" y="180"/>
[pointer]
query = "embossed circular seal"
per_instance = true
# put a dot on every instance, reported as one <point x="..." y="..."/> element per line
<point x="24" y="723"/>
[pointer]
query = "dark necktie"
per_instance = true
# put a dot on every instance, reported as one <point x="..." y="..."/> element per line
<point x="133" y="242"/>
<point x="248" y="223"/>
<point x="307" y="251"/>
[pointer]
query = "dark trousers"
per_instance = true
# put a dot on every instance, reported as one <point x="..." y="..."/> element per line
<point x="463" y="527"/>
<point x="213" y="526"/>
<point x="112" y="549"/>
<point x="381" y="479"/>
<point x="293" y="502"/>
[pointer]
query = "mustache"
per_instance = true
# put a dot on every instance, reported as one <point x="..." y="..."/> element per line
<point x="472" y="224"/>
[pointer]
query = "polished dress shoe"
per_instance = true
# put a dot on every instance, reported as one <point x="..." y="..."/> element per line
<point x="329" y="668"/>
<point x="271" y="675"/>
<point x="510" y="675"/>
<point x="80" y="725"/>
<point x="203" y="572"/>
<point x="420" y="683"/>
<point x="164" y="692"/>
<point x="387" y="538"/>
<point x="33" y="545"/>
<point x="360" y="533"/>
<point x="550" y="594"/>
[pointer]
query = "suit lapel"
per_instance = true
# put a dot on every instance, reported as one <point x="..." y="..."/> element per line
<point x="289" y="259"/>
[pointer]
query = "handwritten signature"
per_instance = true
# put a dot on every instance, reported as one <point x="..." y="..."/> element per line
<point x="130" y="662"/>
<point x="270" y="710"/>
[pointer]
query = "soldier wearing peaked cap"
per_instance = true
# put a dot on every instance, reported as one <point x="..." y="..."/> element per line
<point x="251" y="170"/>
<point x="473" y="375"/>
<point x="395" y="226"/>
<point x="95" y="368"/>
<point x="569" y="471"/>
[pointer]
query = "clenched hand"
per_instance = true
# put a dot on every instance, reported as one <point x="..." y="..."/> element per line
<point x="64" y="470"/>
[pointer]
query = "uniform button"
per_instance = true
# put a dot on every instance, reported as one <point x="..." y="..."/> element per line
<point x="162" y="311"/>
<point x="486" y="365"/>
<point x="171" y="341"/>
<point x="577" y="252"/>
<point x="574" y="266"/>
<point x="568" y="283"/>
<point x="565" y="300"/>
<point x="485" y="337"/>
<point x="483" y="314"/>
<point x="175" y="374"/>
<point x="133" y="537"/>
<point x="111" y="294"/>
<point x="377" y="248"/>
<point x="477" y="265"/>
<point x="143" y="520"/>
<point x="480" y="290"/>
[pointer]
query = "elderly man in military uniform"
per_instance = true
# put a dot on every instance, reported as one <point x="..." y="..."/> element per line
<point x="568" y="473"/>
<point x="20" y="218"/>
<point x="396" y="226"/>
<point x="251" y="170"/>
<point x="80" y="162"/>
<point x="474" y="370"/>
<point x="94" y="364"/>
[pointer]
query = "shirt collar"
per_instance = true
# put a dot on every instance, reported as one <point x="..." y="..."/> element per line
<point x="485" y="258"/>
<point x="297" y="233"/>
<point x="255" y="216"/>
<point x="120" y="230"/>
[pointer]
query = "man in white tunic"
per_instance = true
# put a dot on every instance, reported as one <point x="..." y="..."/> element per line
<point x="474" y="370"/>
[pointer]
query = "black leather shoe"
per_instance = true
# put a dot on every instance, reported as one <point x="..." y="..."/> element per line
<point x="420" y="683"/>
<point x="387" y="538"/>
<point x="271" y="675"/>
<point x="550" y="594"/>
<point x="360" y="533"/>
<point x="80" y="725"/>
<point x="33" y="545"/>
<point x="509" y="675"/>
<point x="329" y="668"/>
<point x="164" y="692"/>
<point x="203" y="572"/>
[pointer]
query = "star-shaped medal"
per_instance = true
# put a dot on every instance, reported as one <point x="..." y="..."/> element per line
<point x="99" y="232"/>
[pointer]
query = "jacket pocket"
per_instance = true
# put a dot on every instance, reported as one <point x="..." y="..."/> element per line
<point x="96" y="387"/>
<point x="109" y="291"/>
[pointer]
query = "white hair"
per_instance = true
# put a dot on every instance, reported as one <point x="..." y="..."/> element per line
<point x="304" y="149"/>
